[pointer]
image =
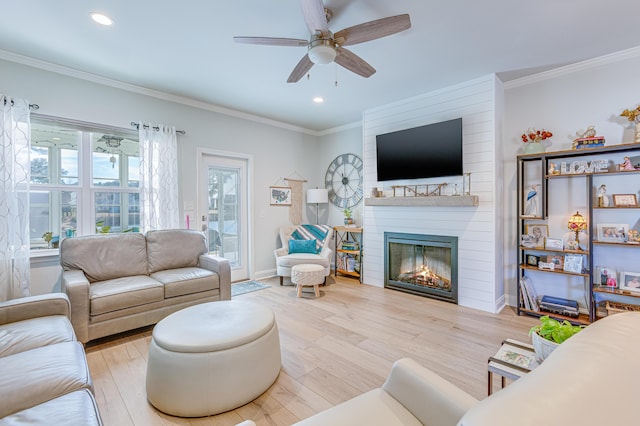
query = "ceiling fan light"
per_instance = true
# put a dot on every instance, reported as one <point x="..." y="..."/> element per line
<point x="322" y="54"/>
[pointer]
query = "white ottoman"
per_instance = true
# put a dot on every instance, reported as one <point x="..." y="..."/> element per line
<point x="308" y="275"/>
<point x="212" y="357"/>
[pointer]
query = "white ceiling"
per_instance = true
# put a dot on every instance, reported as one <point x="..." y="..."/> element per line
<point x="187" y="49"/>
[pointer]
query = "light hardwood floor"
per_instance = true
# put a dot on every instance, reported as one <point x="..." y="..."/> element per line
<point x="333" y="348"/>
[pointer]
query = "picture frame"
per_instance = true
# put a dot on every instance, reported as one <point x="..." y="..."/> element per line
<point x="538" y="233"/>
<point x="557" y="260"/>
<point x="606" y="276"/>
<point x="635" y="162"/>
<point x="554" y="244"/>
<point x="532" y="260"/>
<point x="625" y="200"/>
<point x="573" y="263"/>
<point x="280" y="195"/>
<point x="630" y="281"/>
<point x="526" y="241"/>
<point x="613" y="232"/>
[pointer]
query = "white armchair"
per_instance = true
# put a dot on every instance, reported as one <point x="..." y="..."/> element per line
<point x="285" y="260"/>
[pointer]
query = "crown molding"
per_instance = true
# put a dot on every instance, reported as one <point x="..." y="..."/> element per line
<point x="94" y="78"/>
<point x="611" y="58"/>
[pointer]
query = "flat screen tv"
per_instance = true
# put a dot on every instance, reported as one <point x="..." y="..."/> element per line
<point x="434" y="150"/>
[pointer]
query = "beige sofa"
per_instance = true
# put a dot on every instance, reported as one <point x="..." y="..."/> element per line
<point x="591" y="379"/>
<point x="120" y="282"/>
<point x="44" y="377"/>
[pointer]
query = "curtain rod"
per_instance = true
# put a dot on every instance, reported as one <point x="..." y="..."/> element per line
<point x="32" y="107"/>
<point x="146" y="126"/>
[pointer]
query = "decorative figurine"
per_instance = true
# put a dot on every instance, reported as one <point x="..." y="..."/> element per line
<point x="531" y="208"/>
<point x="603" y="198"/>
<point x="626" y="165"/>
<point x="553" y="170"/>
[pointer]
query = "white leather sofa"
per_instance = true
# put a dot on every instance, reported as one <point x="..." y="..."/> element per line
<point x="285" y="261"/>
<point x="44" y="376"/>
<point x="119" y="282"/>
<point x="591" y="379"/>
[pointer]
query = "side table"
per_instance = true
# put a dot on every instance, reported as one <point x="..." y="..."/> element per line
<point x="513" y="360"/>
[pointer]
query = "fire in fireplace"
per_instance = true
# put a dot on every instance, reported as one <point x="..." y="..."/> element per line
<point x="426" y="265"/>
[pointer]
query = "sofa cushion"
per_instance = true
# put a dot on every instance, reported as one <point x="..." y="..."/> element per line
<point x="120" y="293"/>
<point x="178" y="282"/>
<point x="75" y="408"/>
<point x="33" y="333"/>
<point x="104" y="257"/>
<point x="302" y="246"/>
<point x="290" y="260"/>
<point x="174" y="248"/>
<point x="39" y="375"/>
<point x="375" y="407"/>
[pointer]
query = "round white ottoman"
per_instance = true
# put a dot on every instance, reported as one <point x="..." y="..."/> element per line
<point x="307" y="275"/>
<point x="212" y="357"/>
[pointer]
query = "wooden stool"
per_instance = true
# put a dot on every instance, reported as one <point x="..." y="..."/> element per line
<point x="307" y="275"/>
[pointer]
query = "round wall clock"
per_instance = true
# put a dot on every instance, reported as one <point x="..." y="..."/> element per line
<point x="343" y="180"/>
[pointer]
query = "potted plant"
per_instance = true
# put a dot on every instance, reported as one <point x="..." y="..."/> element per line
<point x="547" y="335"/>
<point x="348" y="220"/>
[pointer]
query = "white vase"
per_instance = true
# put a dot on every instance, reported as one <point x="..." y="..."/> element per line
<point x="636" y="138"/>
<point x="534" y="148"/>
<point x="542" y="346"/>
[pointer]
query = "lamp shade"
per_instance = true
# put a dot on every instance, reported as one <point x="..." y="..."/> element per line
<point x="577" y="223"/>
<point x="317" y="195"/>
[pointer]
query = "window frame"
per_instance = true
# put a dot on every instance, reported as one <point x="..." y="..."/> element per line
<point x="85" y="189"/>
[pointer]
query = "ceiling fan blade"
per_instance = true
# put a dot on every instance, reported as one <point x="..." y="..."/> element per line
<point x="314" y="17"/>
<point x="271" y="41"/>
<point x="372" y="30"/>
<point x="354" y="63"/>
<point x="300" y="70"/>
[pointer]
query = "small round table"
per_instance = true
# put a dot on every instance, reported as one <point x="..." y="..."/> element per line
<point x="307" y="275"/>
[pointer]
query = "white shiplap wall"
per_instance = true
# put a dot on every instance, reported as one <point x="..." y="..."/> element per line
<point x="479" y="229"/>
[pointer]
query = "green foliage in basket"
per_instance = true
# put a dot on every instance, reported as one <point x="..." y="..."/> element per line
<point x="554" y="330"/>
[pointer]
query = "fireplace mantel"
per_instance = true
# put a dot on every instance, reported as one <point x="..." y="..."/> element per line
<point x="432" y="200"/>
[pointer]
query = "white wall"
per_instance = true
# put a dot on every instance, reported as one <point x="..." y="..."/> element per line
<point x="479" y="229"/>
<point x="348" y="140"/>
<point x="277" y="151"/>
<point x="564" y="101"/>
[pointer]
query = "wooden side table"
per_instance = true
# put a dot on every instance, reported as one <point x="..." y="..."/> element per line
<point x="513" y="360"/>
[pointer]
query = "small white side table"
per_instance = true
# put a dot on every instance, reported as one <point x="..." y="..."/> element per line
<point x="513" y="360"/>
<point x="307" y="275"/>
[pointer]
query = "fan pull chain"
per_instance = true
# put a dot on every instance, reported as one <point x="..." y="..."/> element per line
<point x="336" y="70"/>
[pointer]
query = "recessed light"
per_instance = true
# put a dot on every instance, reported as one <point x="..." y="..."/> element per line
<point x="318" y="100"/>
<point x="101" y="18"/>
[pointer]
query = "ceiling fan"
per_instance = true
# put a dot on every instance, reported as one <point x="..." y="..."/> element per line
<point x="325" y="47"/>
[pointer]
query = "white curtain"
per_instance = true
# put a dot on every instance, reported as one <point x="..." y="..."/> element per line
<point x="158" y="177"/>
<point x="15" y="173"/>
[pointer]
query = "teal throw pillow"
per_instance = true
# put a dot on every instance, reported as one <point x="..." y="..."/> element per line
<point x="302" y="246"/>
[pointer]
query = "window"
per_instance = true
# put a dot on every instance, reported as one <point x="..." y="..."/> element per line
<point x="83" y="181"/>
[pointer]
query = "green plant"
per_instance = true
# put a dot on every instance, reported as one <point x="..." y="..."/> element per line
<point x="347" y="213"/>
<point x="555" y="331"/>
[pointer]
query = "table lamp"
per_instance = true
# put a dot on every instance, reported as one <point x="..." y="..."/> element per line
<point x="576" y="224"/>
<point x="317" y="196"/>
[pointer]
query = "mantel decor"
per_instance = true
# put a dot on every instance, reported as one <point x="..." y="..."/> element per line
<point x="633" y="115"/>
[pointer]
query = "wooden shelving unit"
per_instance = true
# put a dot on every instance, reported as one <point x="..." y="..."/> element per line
<point x="576" y="181"/>
<point x="348" y="262"/>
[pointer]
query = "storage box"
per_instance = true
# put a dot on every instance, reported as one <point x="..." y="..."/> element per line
<point x="618" y="307"/>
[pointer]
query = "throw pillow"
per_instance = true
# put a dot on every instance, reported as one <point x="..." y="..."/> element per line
<point x="302" y="246"/>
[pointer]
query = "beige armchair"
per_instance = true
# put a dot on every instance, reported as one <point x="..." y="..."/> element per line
<point x="285" y="260"/>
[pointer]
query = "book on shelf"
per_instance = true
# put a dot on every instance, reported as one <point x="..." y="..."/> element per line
<point x="529" y="296"/>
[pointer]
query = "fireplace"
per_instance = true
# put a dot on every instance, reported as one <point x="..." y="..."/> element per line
<point x="425" y="265"/>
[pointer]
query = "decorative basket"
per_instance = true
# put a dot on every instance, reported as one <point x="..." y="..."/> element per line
<point x="618" y="307"/>
<point x="542" y="346"/>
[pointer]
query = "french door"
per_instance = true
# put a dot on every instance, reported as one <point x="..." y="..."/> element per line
<point x="224" y="209"/>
